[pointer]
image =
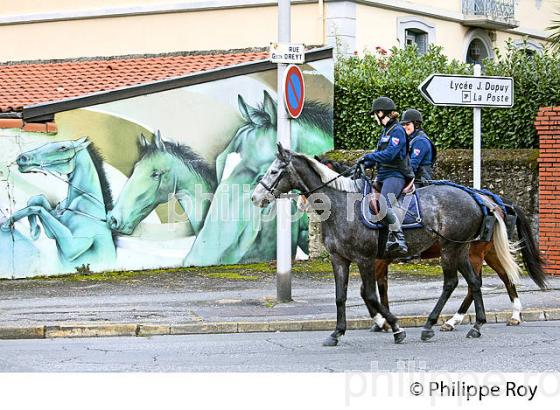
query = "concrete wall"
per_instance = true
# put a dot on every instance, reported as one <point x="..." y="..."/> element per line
<point x="509" y="173"/>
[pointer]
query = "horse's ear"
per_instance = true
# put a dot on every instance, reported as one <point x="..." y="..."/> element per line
<point x="282" y="153"/>
<point x="81" y="143"/>
<point x="159" y="141"/>
<point x="270" y="107"/>
<point x="143" y="141"/>
<point x="243" y="108"/>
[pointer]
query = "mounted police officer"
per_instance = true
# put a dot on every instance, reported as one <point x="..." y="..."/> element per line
<point x="422" y="150"/>
<point x="393" y="168"/>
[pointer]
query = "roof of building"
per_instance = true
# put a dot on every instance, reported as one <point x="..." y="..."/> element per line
<point x="29" y="83"/>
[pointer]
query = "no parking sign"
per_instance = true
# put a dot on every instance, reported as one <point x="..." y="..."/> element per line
<point x="294" y="91"/>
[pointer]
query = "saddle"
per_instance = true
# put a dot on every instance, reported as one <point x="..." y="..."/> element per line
<point x="407" y="209"/>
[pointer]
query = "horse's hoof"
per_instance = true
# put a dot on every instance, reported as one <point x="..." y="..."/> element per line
<point x="376" y="328"/>
<point x="399" y="336"/>
<point x="35" y="232"/>
<point x="427" y="334"/>
<point x="513" y="322"/>
<point x="473" y="333"/>
<point x="330" y="341"/>
<point x="446" y="327"/>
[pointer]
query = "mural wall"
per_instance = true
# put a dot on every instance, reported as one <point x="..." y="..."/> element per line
<point x="160" y="180"/>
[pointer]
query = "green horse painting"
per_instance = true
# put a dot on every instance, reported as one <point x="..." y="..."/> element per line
<point x="165" y="170"/>
<point x="78" y="223"/>
<point x="234" y="231"/>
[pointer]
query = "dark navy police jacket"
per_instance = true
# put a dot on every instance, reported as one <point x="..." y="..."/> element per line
<point x="391" y="156"/>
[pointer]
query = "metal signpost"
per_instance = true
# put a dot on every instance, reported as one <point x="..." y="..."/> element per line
<point x="469" y="91"/>
<point x="284" y="53"/>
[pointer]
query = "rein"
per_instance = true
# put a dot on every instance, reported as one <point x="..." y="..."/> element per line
<point x="308" y="191"/>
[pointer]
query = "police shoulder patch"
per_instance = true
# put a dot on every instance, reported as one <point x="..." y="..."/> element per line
<point x="416" y="152"/>
<point x="395" y="140"/>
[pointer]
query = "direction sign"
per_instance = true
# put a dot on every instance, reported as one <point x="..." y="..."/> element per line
<point x="287" y="53"/>
<point x="294" y="91"/>
<point x="468" y="91"/>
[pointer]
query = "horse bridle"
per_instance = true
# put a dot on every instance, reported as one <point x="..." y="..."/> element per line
<point x="273" y="187"/>
<point x="306" y="191"/>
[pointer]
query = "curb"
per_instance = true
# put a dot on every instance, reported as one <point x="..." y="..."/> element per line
<point x="147" y="330"/>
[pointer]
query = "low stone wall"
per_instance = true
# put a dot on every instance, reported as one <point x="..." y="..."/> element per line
<point x="509" y="173"/>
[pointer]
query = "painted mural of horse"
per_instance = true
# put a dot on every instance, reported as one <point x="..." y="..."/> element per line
<point x="165" y="169"/>
<point x="247" y="234"/>
<point x="77" y="223"/>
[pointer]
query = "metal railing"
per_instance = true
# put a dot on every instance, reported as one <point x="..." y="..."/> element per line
<point x="496" y="9"/>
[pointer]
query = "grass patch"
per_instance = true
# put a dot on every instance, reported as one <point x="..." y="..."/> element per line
<point x="230" y="276"/>
<point x="317" y="268"/>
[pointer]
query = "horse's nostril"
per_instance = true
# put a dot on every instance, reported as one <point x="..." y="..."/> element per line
<point x="23" y="158"/>
<point x="113" y="222"/>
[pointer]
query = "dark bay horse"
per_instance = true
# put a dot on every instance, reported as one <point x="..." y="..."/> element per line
<point x="479" y="252"/>
<point x="450" y="211"/>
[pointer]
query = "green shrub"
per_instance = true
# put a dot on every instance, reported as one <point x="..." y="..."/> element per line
<point x="398" y="74"/>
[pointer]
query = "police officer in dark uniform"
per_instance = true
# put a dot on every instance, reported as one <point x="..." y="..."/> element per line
<point x="422" y="151"/>
<point x="393" y="169"/>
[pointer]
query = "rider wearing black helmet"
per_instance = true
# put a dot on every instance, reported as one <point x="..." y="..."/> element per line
<point x="393" y="168"/>
<point x="422" y="150"/>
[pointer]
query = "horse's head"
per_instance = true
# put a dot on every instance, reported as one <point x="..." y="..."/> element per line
<point x="152" y="181"/>
<point x="278" y="179"/>
<point x="56" y="157"/>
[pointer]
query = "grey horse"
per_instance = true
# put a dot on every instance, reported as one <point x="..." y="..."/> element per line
<point x="451" y="217"/>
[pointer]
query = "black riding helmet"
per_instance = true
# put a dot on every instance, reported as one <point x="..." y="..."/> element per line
<point x="411" y="115"/>
<point x="384" y="104"/>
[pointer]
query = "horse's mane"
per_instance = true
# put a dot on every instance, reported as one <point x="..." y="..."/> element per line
<point x="97" y="160"/>
<point x="315" y="114"/>
<point x="345" y="184"/>
<point x="185" y="154"/>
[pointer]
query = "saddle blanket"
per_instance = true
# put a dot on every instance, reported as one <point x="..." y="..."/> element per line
<point x="408" y="210"/>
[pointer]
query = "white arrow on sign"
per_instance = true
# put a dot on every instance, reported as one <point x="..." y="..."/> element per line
<point x="468" y="91"/>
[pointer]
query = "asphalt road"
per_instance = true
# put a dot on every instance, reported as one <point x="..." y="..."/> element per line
<point x="530" y="347"/>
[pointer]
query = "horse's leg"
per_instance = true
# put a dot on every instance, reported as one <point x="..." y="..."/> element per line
<point x="477" y="253"/>
<point x="370" y="296"/>
<point x="381" y="273"/>
<point x="341" y="268"/>
<point x="475" y="282"/>
<point x="450" y="281"/>
<point x="34" y="227"/>
<point x="73" y="247"/>
<point x="493" y="261"/>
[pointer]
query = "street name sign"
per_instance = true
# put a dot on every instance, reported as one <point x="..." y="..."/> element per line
<point x="468" y="91"/>
<point x="281" y="53"/>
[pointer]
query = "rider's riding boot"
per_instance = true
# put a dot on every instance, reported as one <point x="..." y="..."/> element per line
<point x="396" y="243"/>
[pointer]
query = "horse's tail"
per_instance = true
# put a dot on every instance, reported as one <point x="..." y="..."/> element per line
<point x="505" y="250"/>
<point x="531" y="256"/>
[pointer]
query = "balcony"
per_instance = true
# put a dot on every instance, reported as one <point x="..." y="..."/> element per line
<point x="489" y="14"/>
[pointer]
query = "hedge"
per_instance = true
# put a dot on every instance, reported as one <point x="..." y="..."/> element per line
<point x="358" y="80"/>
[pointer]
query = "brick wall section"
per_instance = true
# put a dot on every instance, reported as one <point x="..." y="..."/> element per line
<point x="547" y="124"/>
<point x="28" y="126"/>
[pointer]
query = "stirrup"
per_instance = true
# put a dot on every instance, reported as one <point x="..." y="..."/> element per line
<point x="395" y="249"/>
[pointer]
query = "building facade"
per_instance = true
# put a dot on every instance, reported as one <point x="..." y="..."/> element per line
<point x="469" y="30"/>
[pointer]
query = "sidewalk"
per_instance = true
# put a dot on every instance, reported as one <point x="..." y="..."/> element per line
<point x="189" y="302"/>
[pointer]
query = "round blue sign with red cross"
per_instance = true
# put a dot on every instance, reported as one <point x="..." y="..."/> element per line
<point x="294" y="91"/>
